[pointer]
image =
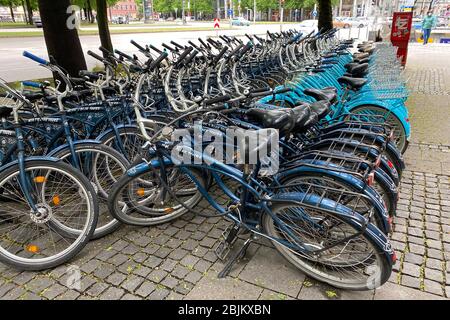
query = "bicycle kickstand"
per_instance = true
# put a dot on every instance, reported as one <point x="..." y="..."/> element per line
<point x="234" y="258"/>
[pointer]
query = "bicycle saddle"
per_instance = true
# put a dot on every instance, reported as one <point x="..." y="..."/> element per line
<point x="322" y="94"/>
<point x="359" y="70"/>
<point x="301" y="116"/>
<point x="330" y="55"/>
<point x="5" y="111"/>
<point x="280" y="119"/>
<point x="353" y="83"/>
<point x="361" y="56"/>
<point x="321" y="108"/>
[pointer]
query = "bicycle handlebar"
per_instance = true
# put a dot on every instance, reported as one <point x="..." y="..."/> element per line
<point x="37" y="59"/>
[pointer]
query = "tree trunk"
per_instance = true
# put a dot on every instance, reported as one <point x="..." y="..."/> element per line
<point x="89" y="10"/>
<point x="103" y="28"/>
<point x="325" y="15"/>
<point x="11" y="10"/>
<point x="30" y="11"/>
<point x="63" y="44"/>
<point x="25" y="12"/>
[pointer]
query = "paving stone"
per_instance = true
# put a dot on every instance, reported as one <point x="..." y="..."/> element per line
<point x="153" y="262"/>
<point x="202" y="266"/>
<point x="208" y="242"/>
<point x="410" y="281"/>
<point x="193" y="276"/>
<point x="145" y="289"/>
<point x="23" y="277"/>
<point x="132" y="282"/>
<point x="189" y="261"/>
<point x="178" y="254"/>
<point x="142" y="271"/>
<point x="157" y="275"/>
<point x="413" y="258"/>
<point x="435" y="275"/>
<point x="112" y="293"/>
<point x="14" y="294"/>
<point x="129" y="296"/>
<point x="162" y="252"/>
<point x="118" y="259"/>
<point x="390" y="291"/>
<point x="116" y="278"/>
<point x="130" y="249"/>
<point x="433" y="287"/>
<point x="38" y="284"/>
<point x="159" y="294"/>
<point x="174" y="243"/>
<point x="180" y="272"/>
<point x="174" y="296"/>
<point x="168" y="265"/>
<point x="53" y="291"/>
<point x="90" y="266"/>
<point x="435" y="244"/>
<point x="104" y="271"/>
<point x="435" y="254"/>
<point x="140" y="257"/>
<point x="411" y="269"/>
<point x="68" y="295"/>
<point x="97" y="289"/>
<point x="169" y="282"/>
<point x="417" y="249"/>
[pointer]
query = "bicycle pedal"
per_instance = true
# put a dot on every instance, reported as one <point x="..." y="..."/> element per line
<point x="222" y="250"/>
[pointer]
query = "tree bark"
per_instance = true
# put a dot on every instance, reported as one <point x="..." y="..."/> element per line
<point x="30" y="11"/>
<point x="325" y="15"/>
<point x="63" y="44"/>
<point x="103" y="28"/>
<point x="11" y="10"/>
<point x="25" y="12"/>
<point x="89" y="10"/>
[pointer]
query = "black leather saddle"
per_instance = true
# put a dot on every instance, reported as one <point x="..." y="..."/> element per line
<point x="353" y="83"/>
<point x="280" y="119"/>
<point x="328" y="94"/>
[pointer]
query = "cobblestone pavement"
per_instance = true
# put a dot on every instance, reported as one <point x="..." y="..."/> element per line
<point x="177" y="260"/>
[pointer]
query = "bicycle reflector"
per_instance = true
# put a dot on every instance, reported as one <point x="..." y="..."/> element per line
<point x="56" y="200"/>
<point x="168" y="210"/>
<point x="370" y="178"/>
<point x="390" y="164"/>
<point x="32" y="248"/>
<point x="39" y="179"/>
<point x="140" y="192"/>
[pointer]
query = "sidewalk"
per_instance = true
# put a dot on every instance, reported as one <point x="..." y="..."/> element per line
<point x="177" y="260"/>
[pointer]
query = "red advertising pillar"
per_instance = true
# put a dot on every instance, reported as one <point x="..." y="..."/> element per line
<point x="401" y="32"/>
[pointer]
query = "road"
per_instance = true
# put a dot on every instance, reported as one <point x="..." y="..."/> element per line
<point x="14" y="67"/>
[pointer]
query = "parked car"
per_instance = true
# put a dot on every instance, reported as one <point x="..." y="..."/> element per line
<point x="240" y="21"/>
<point x="120" y="20"/>
<point x="307" y="26"/>
<point x="37" y="22"/>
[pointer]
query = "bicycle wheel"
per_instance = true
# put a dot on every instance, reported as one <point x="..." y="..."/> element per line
<point x="131" y="140"/>
<point x="347" y="257"/>
<point x="143" y="201"/>
<point x="390" y="118"/>
<point x="65" y="202"/>
<point x="103" y="166"/>
<point x="310" y="182"/>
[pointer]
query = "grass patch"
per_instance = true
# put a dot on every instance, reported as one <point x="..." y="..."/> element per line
<point x="24" y="34"/>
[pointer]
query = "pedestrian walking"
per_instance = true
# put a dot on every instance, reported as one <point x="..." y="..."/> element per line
<point x="428" y="24"/>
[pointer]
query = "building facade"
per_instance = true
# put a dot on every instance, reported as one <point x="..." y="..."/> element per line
<point x="125" y="8"/>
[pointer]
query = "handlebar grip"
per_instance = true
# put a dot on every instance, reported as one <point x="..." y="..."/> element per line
<point x="284" y="90"/>
<point x="249" y="37"/>
<point x="260" y="90"/>
<point x="260" y="94"/>
<point x="194" y="45"/>
<point x="220" y="55"/>
<point x="126" y="56"/>
<point x="192" y="56"/>
<point x="92" y="75"/>
<point x="155" y="49"/>
<point x="105" y="51"/>
<point x="31" y="56"/>
<point x="203" y="42"/>
<point x="158" y="60"/>
<point x="96" y="56"/>
<point x="184" y="55"/>
<point x="218" y="99"/>
<point x="33" y="84"/>
<point x="137" y="45"/>
<point x="213" y="43"/>
<point x="169" y="47"/>
<point x="176" y="44"/>
<point x="246" y="48"/>
<point x="239" y="47"/>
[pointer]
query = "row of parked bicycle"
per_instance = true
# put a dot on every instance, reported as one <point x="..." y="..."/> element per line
<point x="83" y="155"/>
